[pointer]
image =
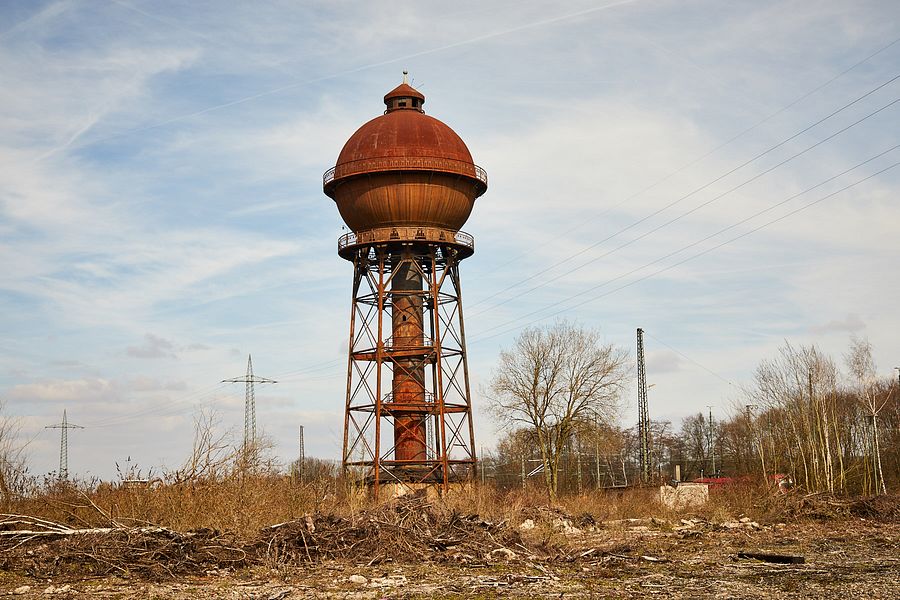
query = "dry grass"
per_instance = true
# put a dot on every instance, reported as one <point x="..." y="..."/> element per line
<point x="243" y="505"/>
<point x="758" y="502"/>
<point x="238" y="490"/>
<point x="238" y="504"/>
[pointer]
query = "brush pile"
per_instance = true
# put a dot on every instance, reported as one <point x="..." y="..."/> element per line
<point x="42" y="548"/>
<point x="405" y="530"/>
<point x="820" y="506"/>
<point x="408" y="529"/>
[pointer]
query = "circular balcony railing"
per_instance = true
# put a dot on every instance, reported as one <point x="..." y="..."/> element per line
<point x="426" y="398"/>
<point x="406" y="234"/>
<point x="410" y="163"/>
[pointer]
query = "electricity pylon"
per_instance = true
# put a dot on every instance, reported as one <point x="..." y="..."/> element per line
<point x="249" y="401"/>
<point x="64" y="428"/>
<point x="711" y="442"/>
<point x="302" y="456"/>
<point x="643" y="412"/>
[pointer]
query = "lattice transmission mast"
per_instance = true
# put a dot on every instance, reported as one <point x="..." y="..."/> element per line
<point x="64" y="428"/>
<point x="711" y="442"/>
<point x="302" y="458"/>
<point x="643" y="412"/>
<point x="249" y="380"/>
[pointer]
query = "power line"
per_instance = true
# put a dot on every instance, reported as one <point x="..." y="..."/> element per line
<point x="176" y="409"/>
<point x="714" y="234"/>
<point x="166" y="406"/>
<point x="300" y="373"/>
<point x="684" y="214"/>
<point x="688" y="358"/>
<point x="693" y="162"/>
<point x="669" y="267"/>
<point x="699" y="189"/>
<point x="176" y="406"/>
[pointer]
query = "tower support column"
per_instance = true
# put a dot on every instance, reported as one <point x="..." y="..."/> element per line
<point x="388" y="438"/>
<point x="408" y="377"/>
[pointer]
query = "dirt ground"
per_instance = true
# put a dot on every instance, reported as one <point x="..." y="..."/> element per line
<point x="846" y="558"/>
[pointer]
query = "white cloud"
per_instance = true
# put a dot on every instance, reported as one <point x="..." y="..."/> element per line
<point x="151" y="384"/>
<point x="153" y="347"/>
<point x="63" y="391"/>
<point x="849" y="324"/>
<point x="663" y="361"/>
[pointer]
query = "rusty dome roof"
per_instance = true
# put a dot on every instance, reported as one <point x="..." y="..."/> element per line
<point x="404" y="138"/>
<point x="404" y="133"/>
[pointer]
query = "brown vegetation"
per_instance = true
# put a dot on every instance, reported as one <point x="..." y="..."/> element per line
<point x="488" y="540"/>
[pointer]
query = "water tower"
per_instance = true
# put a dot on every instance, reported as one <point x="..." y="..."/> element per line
<point x="405" y="184"/>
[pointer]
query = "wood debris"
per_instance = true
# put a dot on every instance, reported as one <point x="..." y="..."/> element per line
<point x="786" y="559"/>
<point x="405" y="530"/>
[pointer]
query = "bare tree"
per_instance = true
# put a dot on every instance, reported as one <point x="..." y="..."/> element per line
<point x="861" y="364"/>
<point x="214" y="457"/>
<point x="12" y="457"/>
<point x="552" y="380"/>
<point x="800" y="384"/>
<point x="211" y="454"/>
<point x="693" y="446"/>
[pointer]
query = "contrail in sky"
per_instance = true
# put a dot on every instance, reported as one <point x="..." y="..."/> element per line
<point x="366" y="67"/>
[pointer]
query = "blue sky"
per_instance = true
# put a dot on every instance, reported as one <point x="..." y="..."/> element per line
<point x="161" y="210"/>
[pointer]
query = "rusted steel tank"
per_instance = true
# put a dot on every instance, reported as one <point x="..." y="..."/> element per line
<point x="405" y="170"/>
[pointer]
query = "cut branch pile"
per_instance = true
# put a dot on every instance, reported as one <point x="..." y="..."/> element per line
<point x="823" y="506"/>
<point x="407" y="530"/>
<point x="44" y="548"/>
